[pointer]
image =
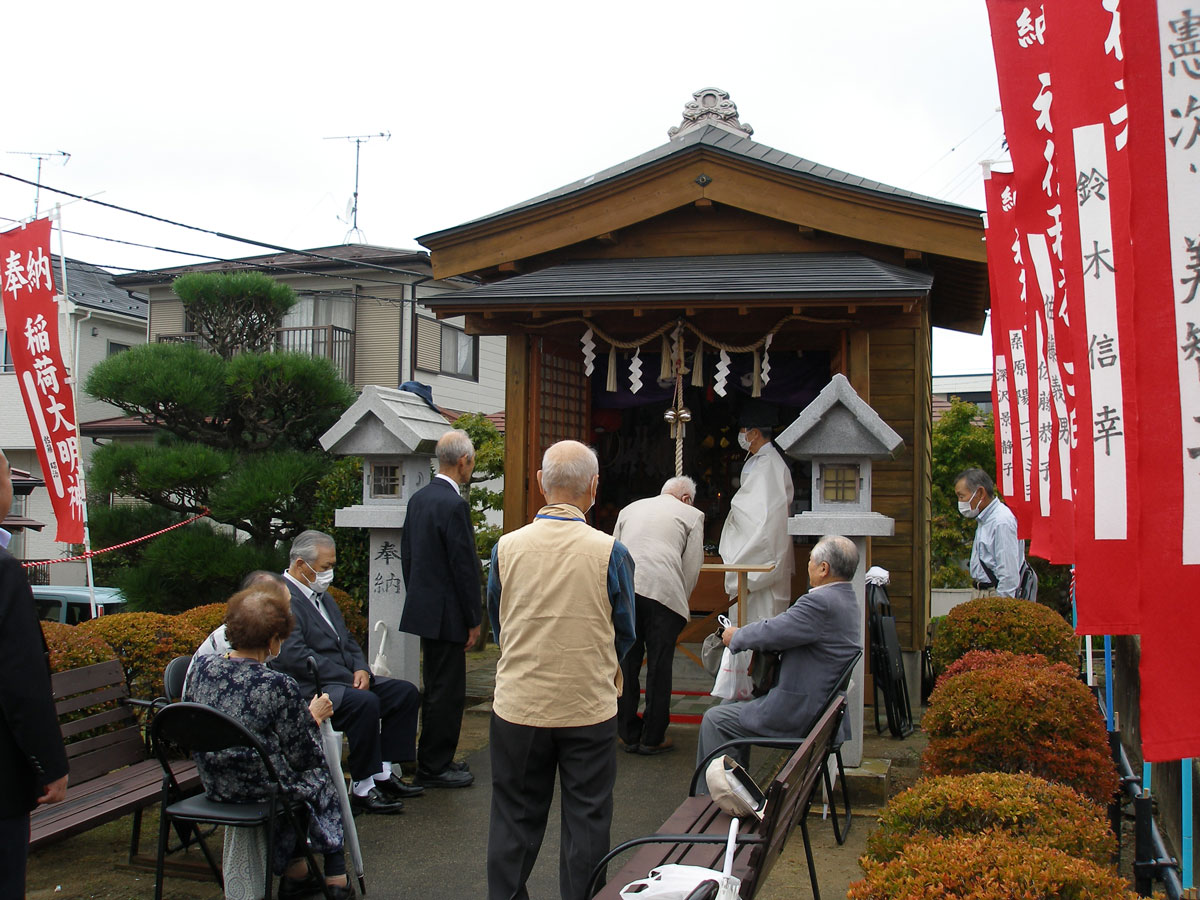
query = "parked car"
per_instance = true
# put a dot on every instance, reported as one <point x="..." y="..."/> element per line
<point x="72" y="604"/>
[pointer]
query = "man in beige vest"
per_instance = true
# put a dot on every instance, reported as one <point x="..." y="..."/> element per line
<point x="665" y="536"/>
<point x="560" y="598"/>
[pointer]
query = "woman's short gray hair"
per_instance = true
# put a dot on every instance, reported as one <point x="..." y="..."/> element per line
<point x="307" y="545"/>
<point x="453" y="446"/>
<point x="839" y="552"/>
<point x="569" y="466"/>
<point x="680" y="486"/>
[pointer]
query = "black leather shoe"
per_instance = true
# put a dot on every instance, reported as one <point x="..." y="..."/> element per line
<point x="341" y="892"/>
<point x="374" y="802"/>
<point x="459" y="766"/>
<point x="395" y="789"/>
<point x="295" y="888"/>
<point x="447" y="778"/>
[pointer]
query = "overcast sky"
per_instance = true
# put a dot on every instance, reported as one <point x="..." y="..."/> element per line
<point x="216" y="114"/>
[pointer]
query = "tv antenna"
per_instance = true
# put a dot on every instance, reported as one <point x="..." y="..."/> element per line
<point x="351" y="218"/>
<point x="41" y="156"/>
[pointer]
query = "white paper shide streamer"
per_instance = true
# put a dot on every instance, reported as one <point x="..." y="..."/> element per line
<point x="635" y="371"/>
<point x="722" y="377"/>
<point x="588" y="342"/>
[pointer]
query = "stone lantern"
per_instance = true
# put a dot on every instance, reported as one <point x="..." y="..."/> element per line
<point x="396" y="433"/>
<point x="840" y="435"/>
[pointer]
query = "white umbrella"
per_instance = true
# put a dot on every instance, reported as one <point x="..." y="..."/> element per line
<point x="331" y="743"/>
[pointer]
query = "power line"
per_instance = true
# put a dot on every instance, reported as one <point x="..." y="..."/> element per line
<point x="221" y="234"/>
<point x="279" y="267"/>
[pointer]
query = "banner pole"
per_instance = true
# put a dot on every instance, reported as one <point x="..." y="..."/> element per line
<point x="1108" y="685"/>
<point x="1186" y="841"/>
<point x="87" y="537"/>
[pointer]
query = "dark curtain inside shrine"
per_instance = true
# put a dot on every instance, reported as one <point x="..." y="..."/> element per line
<point x="637" y="453"/>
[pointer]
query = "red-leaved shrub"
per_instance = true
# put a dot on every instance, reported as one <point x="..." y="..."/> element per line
<point x="977" y="660"/>
<point x="71" y="648"/>
<point x="1003" y="623"/>
<point x="207" y="618"/>
<point x="1023" y="806"/>
<point x="993" y="866"/>
<point x="145" y="642"/>
<point x="352" y="613"/>
<point x="1019" y="720"/>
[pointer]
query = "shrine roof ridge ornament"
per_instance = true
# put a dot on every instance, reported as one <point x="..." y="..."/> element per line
<point x="710" y="106"/>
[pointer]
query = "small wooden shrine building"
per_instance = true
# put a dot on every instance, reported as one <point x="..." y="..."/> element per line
<point x="755" y="273"/>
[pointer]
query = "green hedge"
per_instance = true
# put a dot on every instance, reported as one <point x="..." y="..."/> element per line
<point x="1004" y="623"/>
<point x="994" y="866"/>
<point x="1022" y="806"/>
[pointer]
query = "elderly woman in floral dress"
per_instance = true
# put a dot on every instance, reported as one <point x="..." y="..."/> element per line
<point x="269" y="704"/>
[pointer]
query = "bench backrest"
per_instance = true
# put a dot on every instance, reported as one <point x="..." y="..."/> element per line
<point x="790" y="794"/>
<point x="100" y="731"/>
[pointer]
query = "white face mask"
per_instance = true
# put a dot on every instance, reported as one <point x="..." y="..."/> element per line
<point x="321" y="580"/>
<point x="964" y="507"/>
<point x="744" y="440"/>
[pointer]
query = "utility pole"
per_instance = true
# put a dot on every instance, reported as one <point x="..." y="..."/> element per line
<point x="359" y="140"/>
<point x="41" y="156"/>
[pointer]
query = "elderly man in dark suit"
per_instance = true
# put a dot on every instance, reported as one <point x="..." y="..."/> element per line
<point x="443" y="605"/>
<point x="378" y="715"/>
<point x="33" y="763"/>
<point x="816" y="636"/>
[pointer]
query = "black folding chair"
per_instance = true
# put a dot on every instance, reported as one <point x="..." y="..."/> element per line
<point x="173" y="676"/>
<point x="887" y="665"/>
<point x="841" y="827"/>
<point x="195" y="728"/>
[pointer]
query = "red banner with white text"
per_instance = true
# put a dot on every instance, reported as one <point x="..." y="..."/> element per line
<point x="1162" y="86"/>
<point x="1019" y="37"/>
<point x="1087" y="75"/>
<point x="31" y="317"/>
<point x="1010" y="381"/>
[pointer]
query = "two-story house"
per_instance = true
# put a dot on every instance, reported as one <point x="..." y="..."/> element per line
<point x="100" y="319"/>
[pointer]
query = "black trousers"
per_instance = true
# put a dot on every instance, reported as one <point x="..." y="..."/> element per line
<point x="524" y="762"/>
<point x="444" y="670"/>
<point x="380" y="723"/>
<point x="657" y="630"/>
<point x="14" y="850"/>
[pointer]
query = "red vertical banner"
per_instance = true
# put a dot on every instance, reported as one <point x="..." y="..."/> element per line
<point x="1010" y="381"/>
<point x="31" y="315"/>
<point x="1020" y="37"/>
<point x="1088" y="72"/>
<point x="1162" y="85"/>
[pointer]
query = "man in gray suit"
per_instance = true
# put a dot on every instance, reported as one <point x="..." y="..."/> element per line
<point x="816" y="636"/>
<point x="665" y="537"/>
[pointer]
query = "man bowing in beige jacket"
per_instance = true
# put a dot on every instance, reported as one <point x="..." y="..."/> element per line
<point x="665" y="537"/>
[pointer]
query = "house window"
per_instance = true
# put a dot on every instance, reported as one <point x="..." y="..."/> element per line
<point x="839" y="483"/>
<point x="6" y="362"/>
<point x="114" y="348"/>
<point x="446" y="350"/>
<point x="385" y="480"/>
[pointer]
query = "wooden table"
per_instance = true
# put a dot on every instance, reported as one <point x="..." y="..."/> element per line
<point x="699" y="628"/>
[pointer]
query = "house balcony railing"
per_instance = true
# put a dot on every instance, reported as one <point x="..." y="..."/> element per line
<point x="328" y="341"/>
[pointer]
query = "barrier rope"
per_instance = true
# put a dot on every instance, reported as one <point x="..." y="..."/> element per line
<point x="137" y="540"/>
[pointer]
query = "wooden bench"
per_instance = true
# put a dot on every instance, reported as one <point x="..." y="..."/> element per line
<point x="111" y="772"/>
<point x="697" y="832"/>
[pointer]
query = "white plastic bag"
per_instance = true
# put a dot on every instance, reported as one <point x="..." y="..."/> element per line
<point x="675" y="882"/>
<point x="733" y="680"/>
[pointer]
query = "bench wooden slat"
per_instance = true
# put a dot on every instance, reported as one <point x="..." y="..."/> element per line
<point x="95" y="698"/>
<point x="105" y="799"/>
<point x="99" y="720"/>
<point x="86" y="678"/>
<point x="129" y="751"/>
<point x="136" y="752"/>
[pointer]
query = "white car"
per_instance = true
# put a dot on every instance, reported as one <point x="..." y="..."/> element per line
<point x="72" y="604"/>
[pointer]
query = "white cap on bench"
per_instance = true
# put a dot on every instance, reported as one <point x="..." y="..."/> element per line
<point x="731" y="788"/>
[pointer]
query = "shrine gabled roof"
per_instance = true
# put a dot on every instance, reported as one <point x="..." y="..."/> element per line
<point x="721" y="141"/>
<point x="772" y="276"/>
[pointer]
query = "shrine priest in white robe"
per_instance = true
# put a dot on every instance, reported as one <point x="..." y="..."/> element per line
<point x="755" y="532"/>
